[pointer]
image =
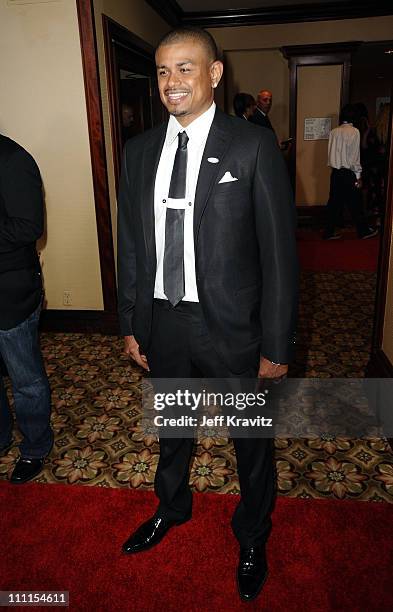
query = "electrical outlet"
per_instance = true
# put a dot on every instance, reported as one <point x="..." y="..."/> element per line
<point x="67" y="299"/>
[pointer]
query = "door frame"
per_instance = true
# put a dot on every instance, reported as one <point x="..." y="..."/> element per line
<point x="379" y="365"/>
<point x="95" y="124"/>
<point x="314" y="55"/>
<point x="116" y="35"/>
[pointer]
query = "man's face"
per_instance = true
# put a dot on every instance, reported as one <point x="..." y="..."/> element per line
<point x="265" y="101"/>
<point x="186" y="79"/>
<point x="127" y="115"/>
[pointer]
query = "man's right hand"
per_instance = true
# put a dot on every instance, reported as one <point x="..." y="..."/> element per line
<point x="131" y="348"/>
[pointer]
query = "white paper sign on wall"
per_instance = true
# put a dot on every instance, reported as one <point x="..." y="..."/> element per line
<point x="317" y="128"/>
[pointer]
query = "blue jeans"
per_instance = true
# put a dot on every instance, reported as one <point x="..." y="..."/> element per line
<point x="21" y="353"/>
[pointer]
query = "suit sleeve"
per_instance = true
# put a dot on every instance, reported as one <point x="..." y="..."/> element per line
<point x="275" y="216"/>
<point x="21" y="191"/>
<point x="126" y="257"/>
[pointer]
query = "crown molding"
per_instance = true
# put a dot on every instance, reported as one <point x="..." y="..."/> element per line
<point x="322" y="49"/>
<point x="169" y="10"/>
<point x="174" y="15"/>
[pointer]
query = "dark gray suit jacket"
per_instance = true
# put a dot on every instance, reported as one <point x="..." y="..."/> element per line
<point x="244" y="236"/>
<point x="259" y="118"/>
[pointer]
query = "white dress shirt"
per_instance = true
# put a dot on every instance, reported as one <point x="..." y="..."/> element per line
<point x="197" y="133"/>
<point x="344" y="148"/>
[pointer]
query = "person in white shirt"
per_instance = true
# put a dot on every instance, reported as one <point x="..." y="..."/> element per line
<point x="345" y="179"/>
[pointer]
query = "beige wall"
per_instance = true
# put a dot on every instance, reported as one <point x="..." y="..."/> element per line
<point x="312" y="172"/>
<point x="278" y="35"/>
<point x="140" y="19"/>
<point x="42" y="106"/>
<point x="243" y="69"/>
<point x="387" y="344"/>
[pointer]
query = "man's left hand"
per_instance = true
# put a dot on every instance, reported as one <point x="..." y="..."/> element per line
<point x="267" y="369"/>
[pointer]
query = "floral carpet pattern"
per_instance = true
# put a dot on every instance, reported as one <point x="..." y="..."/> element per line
<point x="96" y="396"/>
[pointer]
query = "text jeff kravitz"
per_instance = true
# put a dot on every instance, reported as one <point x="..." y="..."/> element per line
<point x="216" y="421"/>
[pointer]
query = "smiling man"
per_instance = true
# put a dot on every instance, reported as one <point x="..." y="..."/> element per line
<point x="207" y="275"/>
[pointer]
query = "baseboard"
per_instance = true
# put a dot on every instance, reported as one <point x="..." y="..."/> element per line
<point x="310" y="216"/>
<point x="310" y="211"/>
<point x="379" y="366"/>
<point x="80" y="321"/>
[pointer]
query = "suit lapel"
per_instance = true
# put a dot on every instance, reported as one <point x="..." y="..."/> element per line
<point x="217" y="144"/>
<point x="151" y="158"/>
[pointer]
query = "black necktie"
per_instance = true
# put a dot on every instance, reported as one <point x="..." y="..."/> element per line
<point x="174" y="287"/>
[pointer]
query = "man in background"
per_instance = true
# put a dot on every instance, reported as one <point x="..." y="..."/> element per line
<point x="345" y="178"/>
<point x="127" y="122"/>
<point x="261" y="113"/>
<point x="21" y="224"/>
<point x="260" y="116"/>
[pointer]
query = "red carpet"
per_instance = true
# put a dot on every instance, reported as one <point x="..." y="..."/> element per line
<point x="347" y="254"/>
<point x="325" y="555"/>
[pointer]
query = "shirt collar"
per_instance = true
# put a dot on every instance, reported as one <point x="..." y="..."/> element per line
<point x="198" y="130"/>
<point x="261" y="111"/>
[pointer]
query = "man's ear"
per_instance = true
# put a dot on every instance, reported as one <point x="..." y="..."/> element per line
<point x="216" y="70"/>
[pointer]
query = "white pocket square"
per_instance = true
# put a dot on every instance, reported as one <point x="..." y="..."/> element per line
<point x="213" y="160"/>
<point x="227" y="178"/>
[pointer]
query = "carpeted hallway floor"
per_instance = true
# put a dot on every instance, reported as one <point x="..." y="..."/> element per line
<point x="96" y="397"/>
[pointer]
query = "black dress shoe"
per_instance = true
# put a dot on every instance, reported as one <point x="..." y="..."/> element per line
<point x="148" y="535"/>
<point x="251" y="572"/>
<point x="26" y="469"/>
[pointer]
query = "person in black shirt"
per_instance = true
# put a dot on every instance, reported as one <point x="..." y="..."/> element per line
<point x="244" y="105"/>
<point x="21" y="224"/>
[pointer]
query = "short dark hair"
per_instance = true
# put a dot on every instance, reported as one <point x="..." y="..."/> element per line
<point x="347" y="114"/>
<point x="241" y="102"/>
<point x="204" y="38"/>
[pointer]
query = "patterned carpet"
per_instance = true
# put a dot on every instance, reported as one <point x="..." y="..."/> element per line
<point x="96" y="408"/>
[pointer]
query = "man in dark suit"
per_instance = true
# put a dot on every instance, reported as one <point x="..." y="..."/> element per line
<point x="261" y="113"/>
<point x="207" y="275"/>
<point x="260" y="116"/>
<point x="21" y="224"/>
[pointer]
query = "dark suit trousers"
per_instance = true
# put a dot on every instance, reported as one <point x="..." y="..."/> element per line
<point x="181" y="347"/>
<point x="344" y="193"/>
